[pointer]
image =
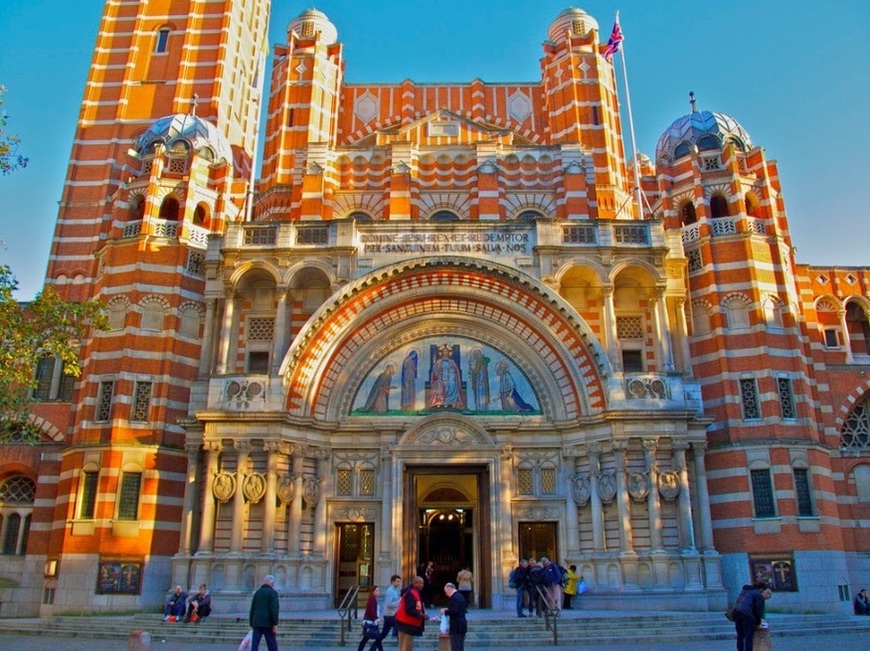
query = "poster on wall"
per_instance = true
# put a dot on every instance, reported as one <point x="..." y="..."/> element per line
<point x="119" y="577"/>
<point x="778" y="572"/>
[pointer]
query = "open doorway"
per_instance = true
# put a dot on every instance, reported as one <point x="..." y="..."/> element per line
<point x="448" y="525"/>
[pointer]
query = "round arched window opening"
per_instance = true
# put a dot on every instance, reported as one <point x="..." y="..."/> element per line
<point x="530" y="216"/>
<point x="687" y="213"/>
<point x="718" y="206"/>
<point x="169" y="209"/>
<point x="444" y="216"/>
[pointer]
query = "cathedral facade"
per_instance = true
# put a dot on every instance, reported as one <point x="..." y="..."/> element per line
<point x="435" y="322"/>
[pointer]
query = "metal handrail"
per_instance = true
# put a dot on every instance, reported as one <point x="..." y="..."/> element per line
<point x="348" y="610"/>
<point x="552" y="610"/>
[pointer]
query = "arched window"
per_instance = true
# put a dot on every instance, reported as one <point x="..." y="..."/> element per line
<point x="855" y="435"/>
<point x="161" y="43"/>
<point x="705" y="143"/>
<point x="136" y="211"/>
<point x="200" y="216"/>
<point x="17" y="494"/>
<point x="681" y="150"/>
<point x="360" y="217"/>
<point x="169" y="209"/>
<point x="153" y="314"/>
<point x="530" y="216"/>
<point x="718" y="206"/>
<point x="737" y="313"/>
<point x="687" y="213"/>
<point x="753" y="205"/>
<point x="444" y="216"/>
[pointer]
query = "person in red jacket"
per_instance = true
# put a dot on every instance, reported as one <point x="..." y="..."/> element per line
<point x="411" y="615"/>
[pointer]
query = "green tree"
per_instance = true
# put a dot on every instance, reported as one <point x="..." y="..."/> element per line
<point x="10" y="159"/>
<point x="47" y="325"/>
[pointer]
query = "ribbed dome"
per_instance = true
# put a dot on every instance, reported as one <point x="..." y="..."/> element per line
<point x="573" y="20"/>
<point x="703" y="129"/>
<point x="311" y="21"/>
<point x="188" y="131"/>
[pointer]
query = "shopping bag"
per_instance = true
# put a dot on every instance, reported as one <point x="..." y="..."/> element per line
<point x="247" y="641"/>
<point x="444" y="627"/>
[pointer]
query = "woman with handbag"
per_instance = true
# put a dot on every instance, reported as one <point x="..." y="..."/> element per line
<point x="371" y="623"/>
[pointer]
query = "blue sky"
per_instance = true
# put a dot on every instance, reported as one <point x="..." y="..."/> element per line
<point x="794" y="73"/>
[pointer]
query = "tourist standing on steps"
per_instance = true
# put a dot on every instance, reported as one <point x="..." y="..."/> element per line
<point x="456" y="609"/>
<point x="570" y="587"/>
<point x="264" y="615"/>
<point x="519" y="577"/>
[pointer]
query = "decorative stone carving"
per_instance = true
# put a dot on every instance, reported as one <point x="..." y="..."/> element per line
<point x="310" y="491"/>
<point x="224" y="486"/>
<point x="254" y="487"/>
<point x="355" y="514"/>
<point x="538" y="513"/>
<point x="241" y="393"/>
<point x="607" y="487"/>
<point x="581" y="489"/>
<point x="650" y="388"/>
<point x="669" y="485"/>
<point x="285" y="490"/>
<point x="638" y="485"/>
<point x="445" y="435"/>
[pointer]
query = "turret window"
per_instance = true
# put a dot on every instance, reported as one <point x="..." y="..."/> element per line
<point x="687" y="213"/>
<point x="161" y="44"/>
<point x="718" y="206"/>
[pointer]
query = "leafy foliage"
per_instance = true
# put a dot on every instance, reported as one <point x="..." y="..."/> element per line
<point x="10" y="159"/>
<point x="28" y="331"/>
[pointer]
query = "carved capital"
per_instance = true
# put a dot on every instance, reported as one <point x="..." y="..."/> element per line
<point x="212" y="446"/>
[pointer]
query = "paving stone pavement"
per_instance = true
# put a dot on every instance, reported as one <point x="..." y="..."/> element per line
<point x="10" y="641"/>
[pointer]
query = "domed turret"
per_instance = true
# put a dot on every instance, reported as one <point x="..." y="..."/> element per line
<point x="189" y="132"/>
<point x="702" y="129"/>
<point x="311" y="21"/>
<point x="573" y="20"/>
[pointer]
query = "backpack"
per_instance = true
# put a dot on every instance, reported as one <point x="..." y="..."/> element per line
<point x="564" y="576"/>
<point x="513" y="584"/>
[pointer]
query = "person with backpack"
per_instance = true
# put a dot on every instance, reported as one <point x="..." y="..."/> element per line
<point x="536" y="580"/>
<point x="519" y="581"/>
<point x="553" y="582"/>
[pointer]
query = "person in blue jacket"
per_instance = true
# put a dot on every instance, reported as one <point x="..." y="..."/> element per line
<point x="748" y="612"/>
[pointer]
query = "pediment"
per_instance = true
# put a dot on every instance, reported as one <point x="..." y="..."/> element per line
<point x="444" y="127"/>
<point x="446" y="431"/>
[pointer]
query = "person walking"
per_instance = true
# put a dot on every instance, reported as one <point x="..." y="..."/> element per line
<point x="391" y="604"/>
<point x="411" y="615"/>
<point x="264" y="615"/>
<point x="464" y="582"/>
<point x="519" y="580"/>
<point x="748" y="611"/>
<point x="458" y="624"/>
<point x="371" y="623"/>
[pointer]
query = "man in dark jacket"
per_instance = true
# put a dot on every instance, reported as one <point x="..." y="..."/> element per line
<point x="456" y="608"/>
<point x="264" y="615"/>
<point x="519" y="577"/>
<point x="748" y="611"/>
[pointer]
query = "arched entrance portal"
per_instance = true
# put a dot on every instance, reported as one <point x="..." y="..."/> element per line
<point x="449" y="525"/>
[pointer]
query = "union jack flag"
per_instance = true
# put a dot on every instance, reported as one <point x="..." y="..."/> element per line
<point x="615" y="40"/>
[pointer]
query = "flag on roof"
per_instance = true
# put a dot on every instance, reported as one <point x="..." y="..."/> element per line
<point x="615" y="40"/>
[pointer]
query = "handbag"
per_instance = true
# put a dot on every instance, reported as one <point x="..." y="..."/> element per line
<point x="371" y="629"/>
<point x="729" y="614"/>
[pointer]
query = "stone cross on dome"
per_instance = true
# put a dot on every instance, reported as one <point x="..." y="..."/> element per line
<point x="193" y="102"/>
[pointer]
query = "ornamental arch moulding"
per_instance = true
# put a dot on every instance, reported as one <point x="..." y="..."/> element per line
<point x="446" y="431"/>
<point x="377" y="314"/>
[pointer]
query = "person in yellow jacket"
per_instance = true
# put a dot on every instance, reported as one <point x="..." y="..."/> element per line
<point x="570" y="588"/>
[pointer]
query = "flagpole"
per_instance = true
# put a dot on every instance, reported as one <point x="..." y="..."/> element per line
<point x="639" y="195"/>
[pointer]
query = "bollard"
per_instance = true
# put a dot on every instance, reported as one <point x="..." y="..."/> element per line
<point x="139" y="641"/>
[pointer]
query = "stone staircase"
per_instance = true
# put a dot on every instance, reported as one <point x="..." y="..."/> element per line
<point x="487" y="629"/>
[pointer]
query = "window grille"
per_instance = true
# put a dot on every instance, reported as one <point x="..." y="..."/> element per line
<point x="762" y="494"/>
<point x="18" y="489"/>
<point x="67" y="383"/>
<point x="128" y="500"/>
<point x="855" y="434"/>
<point x="307" y="29"/>
<point x="786" y="398"/>
<point x="578" y="26"/>
<point x="629" y="327"/>
<point x="177" y="165"/>
<point x="631" y="234"/>
<point x="712" y="163"/>
<point x="525" y="483"/>
<point x="548" y="481"/>
<point x="261" y="329"/>
<point x="44" y="376"/>
<point x="695" y="262"/>
<point x="260" y="235"/>
<point x="723" y="226"/>
<point x="312" y="235"/>
<point x="367" y="482"/>
<point x="802" y="493"/>
<point x="89" y="495"/>
<point x="141" y="401"/>
<point x="343" y="482"/>
<point x="104" y="401"/>
<point x="632" y="361"/>
<point x="196" y="263"/>
<point x="585" y="234"/>
<point x="749" y="399"/>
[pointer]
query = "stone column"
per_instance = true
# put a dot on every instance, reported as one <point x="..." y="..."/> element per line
<point x="294" y="544"/>
<point x="703" y="497"/>
<point x="191" y="491"/>
<point x="684" y="502"/>
<point x="623" y="505"/>
<point x="226" y="334"/>
<point x="206" y="360"/>
<point x="595" y="498"/>
<point x="663" y="330"/>
<point x="279" y="336"/>
<point x="572" y="523"/>
<point x="237" y="538"/>
<point x="847" y="340"/>
<point x="323" y="456"/>
<point x="653" y="500"/>
<point x="385" y="542"/>
<point x="209" y="508"/>
<point x="267" y="542"/>
<point x="610" y="338"/>
<point x="682" y="332"/>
